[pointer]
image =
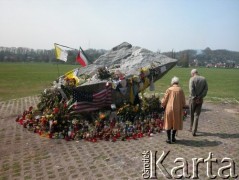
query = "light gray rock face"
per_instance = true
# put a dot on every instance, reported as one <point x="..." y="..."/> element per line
<point x="116" y="55"/>
<point x="127" y="59"/>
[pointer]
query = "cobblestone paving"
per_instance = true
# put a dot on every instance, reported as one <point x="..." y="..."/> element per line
<point x="25" y="155"/>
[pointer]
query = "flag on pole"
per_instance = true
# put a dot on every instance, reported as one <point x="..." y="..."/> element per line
<point x="60" y="53"/>
<point x="81" y="58"/>
<point x="73" y="74"/>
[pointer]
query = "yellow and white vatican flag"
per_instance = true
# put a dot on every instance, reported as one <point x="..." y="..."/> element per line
<point x="61" y="54"/>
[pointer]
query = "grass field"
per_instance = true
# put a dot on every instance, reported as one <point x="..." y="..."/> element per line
<point x="223" y="84"/>
<point x="26" y="79"/>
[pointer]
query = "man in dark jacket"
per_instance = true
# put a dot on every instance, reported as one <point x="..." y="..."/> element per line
<point x="197" y="91"/>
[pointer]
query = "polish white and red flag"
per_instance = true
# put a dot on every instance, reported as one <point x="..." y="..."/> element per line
<point x="81" y="58"/>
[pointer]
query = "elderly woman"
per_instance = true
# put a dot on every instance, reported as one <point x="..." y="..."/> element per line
<point x="173" y="103"/>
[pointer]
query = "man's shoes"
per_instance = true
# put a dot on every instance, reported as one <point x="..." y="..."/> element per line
<point x="168" y="141"/>
<point x="194" y="134"/>
<point x="174" y="140"/>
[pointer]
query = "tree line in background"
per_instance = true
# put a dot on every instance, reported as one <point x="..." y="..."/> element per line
<point x="186" y="58"/>
<point x="206" y="58"/>
<point x="41" y="55"/>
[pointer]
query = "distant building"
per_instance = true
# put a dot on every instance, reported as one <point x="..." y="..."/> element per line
<point x="209" y="65"/>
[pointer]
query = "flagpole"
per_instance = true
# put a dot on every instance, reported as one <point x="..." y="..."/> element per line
<point x="57" y="61"/>
<point x="58" y="68"/>
<point x="65" y="46"/>
<point x="56" y="54"/>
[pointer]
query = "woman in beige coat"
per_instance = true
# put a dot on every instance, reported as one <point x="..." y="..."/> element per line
<point x="173" y="103"/>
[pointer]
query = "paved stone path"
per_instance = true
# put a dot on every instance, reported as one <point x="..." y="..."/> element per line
<point x="25" y="155"/>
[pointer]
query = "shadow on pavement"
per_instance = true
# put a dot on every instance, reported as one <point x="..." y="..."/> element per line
<point x="202" y="110"/>
<point x="198" y="143"/>
<point x="221" y="135"/>
<point x="205" y="110"/>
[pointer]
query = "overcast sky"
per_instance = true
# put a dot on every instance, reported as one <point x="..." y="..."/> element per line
<point x="102" y="24"/>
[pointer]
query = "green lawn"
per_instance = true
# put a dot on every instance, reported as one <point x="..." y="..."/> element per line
<point x="26" y="79"/>
<point x="222" y="83"/>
